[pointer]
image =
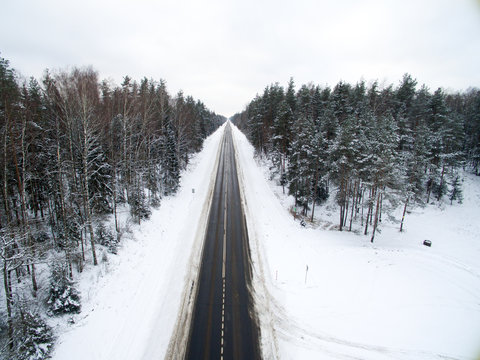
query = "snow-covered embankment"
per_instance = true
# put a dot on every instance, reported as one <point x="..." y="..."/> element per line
<point x="329" y="294"/>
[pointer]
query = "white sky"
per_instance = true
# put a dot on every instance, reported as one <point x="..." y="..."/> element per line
<point x="224" y="52"/>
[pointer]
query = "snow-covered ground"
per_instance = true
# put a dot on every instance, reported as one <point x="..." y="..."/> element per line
<point x="131" y="311"/>
<point x="393" y="299"/>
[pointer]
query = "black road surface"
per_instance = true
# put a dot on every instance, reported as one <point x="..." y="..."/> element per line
<point x="223" y="326"/>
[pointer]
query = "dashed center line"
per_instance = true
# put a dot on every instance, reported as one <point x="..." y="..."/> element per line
<point x="223" y="322"/>
<point x="224" y="260"/>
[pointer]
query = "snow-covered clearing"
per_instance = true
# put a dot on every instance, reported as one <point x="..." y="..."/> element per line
<point x="130" y="304"/>
<point x="393" y="299"/>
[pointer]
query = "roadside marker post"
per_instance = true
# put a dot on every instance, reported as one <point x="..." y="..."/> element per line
<point x="306" y="272"/>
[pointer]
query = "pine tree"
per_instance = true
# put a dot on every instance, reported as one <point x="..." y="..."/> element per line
<point x="281" y="139"/>
<point x="471" y="109"/>
<point x="296" y="164"/>
<point x="405" y="96"/>
<point x="319" y="167"/>
<point x="341" y="102"/>
<point x="343" y="158"/>
<point x="286" y="118"/>
<point x="385" y="172"/>
<point x="255" y="124"/>
<point x="438" y="124"/>
<point x="413" y="160"/>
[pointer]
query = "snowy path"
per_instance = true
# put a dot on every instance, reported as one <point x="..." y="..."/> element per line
<point x="133" y="312"/>
<point x="394" y="299"/>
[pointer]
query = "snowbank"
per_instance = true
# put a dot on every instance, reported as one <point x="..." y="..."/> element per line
<point x="130" y="305"/>
<point x="328" y="294"/>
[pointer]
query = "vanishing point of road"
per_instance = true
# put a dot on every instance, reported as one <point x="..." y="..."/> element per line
<point x="223" y="325"/>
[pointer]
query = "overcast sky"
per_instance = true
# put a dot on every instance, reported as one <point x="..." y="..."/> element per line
<point x="225" y="52"/>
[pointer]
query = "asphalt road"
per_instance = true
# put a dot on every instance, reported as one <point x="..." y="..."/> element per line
<point x="222" y="326"/>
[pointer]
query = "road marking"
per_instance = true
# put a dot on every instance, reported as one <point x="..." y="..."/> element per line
<point x="224" y="239"/>
<point x="223" y="319"/>
<point x="224" y="261"/>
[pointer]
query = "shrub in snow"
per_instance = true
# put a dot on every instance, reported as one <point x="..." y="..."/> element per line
<point x="455" y="192"/>
<point x="155" y="201"/>
<point x="138" y="205"/>
<point x="41" y="237"/>
<point x="439" y="189"/>
<point x="32" y="337"/>
<point x="68" y="234"/>
<point x="106" y="238"/>
<point x="322" y="192"/>
<point x="63" y="296"/>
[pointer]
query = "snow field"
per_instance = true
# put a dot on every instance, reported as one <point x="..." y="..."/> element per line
<point x="394" y="299"/>
<point x="130" y="305"/>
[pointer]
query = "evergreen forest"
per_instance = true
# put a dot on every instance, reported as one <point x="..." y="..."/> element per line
<point x="74" y="150"/>
<point x="370" y="147"/>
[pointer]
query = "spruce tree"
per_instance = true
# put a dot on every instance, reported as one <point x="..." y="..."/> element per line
<point x="63" y="297"/>
<point x="170" y="164"/>
<point x="33" y="337"/>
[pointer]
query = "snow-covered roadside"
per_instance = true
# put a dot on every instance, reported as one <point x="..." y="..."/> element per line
<point x="394" y="299"/>
<point x="132" y="310"/>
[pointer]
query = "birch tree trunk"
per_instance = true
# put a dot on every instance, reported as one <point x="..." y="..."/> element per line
<point x="20" y="185"/>
<point x="86" y="193"/>
<point x="8" y="299"/>
<point x="5" y="172"/>
<point x="26" y="223"/>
